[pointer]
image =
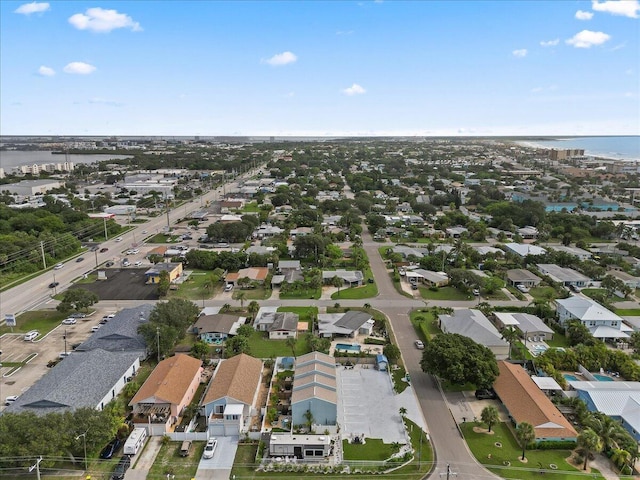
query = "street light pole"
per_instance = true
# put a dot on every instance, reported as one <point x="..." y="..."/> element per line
<point x="84" y="444"/>
<point x="55" y="290"/>
<point x="64" y="337"/>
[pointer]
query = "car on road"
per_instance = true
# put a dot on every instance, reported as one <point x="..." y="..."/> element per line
<point x="58" y="266"/>
<point x="69" y="321"/>
<point x="485" y="394"/>
<point x="109" y="264"/>
<point x="79" y="259"/>
<point x="144" y="231"/>
<point x="62" y="355"/>
<point x="110" y="450"/>
<point x="104" y="249"/>
<point x="118" y="239"/>
<point x="419" y="345"/>
<point x="31" y="336"/>
<point x="10" y="399"/>
<point x="54" y="284"/>
<point x="210" y="448"/>
<point x="135" y="251"/>
<point x="95" y="328"/>
<point x="77" y="315"/>
<point x="137" y="264"/>
<point x="121" y="468"/>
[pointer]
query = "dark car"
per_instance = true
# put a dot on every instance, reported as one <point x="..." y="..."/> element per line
<point x="80" y="259"/>
<point x="54" y="284"/>
<point x="109" y="264"/>
<point x="104" y="249"/>
<point x="110" y="450"/>
<point x="485" y="394"/>
<point x="121" y="468"/>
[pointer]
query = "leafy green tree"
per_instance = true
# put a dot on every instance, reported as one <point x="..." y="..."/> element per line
<point x="458" y="359"/>
<point x="291" y="343"/>
<point x="392" y="352"/>
<point x="578" y="333"/>
<point x="621" y="458"/>
<point x="253" y="308"/>
<point x="200" y="349"/>
<point x="235" y="345"/>
<point x="164" y="283"/>
<point x="525" y="434"/>
<point x="589" y="442"/>
<point x="245" y="331"/>
<point x="489" y="416"/>
<point x="77" y="299"/>
<point x="155" y="258"/>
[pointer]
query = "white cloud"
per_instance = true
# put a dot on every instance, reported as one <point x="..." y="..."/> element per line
<point x="103" y="21"/>
<point x="550" y="43"/>
<point x="34" y="7"/>
<point x="46" y="71"/>
<point x="79" y="68"/>
<point x="582" y="15"/>
<point x="625" y="8"/>
<point x="354" y="89"/>
<point x="280" y="59"/>
<point x="520" y="53"/>
<point x="587" y="39"/>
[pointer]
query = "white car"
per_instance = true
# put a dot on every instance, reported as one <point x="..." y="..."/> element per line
<point x="95" y="328"/>
<point x="229" y="287"/>
<point x="58" y="266"/>
<point x="10" y="399"/>
<point x="31" y="336"/>
<point x="419" y="345"/>
<point x="69" y="321"/>
<point x="135" y="251"/>
<point x="118" y="239"/>
<point x="144" y="231"/>
<point x="137" y="264"/>
<point x="210" y="448"/>
<point x="522" y="288"/>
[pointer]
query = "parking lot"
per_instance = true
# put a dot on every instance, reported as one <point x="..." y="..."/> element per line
<point x="123" y="284"/>
<point x="367" y="405"/>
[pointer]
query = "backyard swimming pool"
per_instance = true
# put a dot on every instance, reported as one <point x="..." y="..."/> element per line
<point x="602" y="378"/>
<point x="574" y="378"/>
<point x="570" y="378"/>
<point x="348" y="347"/>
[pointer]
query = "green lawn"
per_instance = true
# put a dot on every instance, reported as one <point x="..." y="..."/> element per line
<point x="258" y="293"/>
<point x="307" y="293"/>
<point x="399" y="383"/>
<point x="373" y="449"/>
<point x="559" y="340"/>
<point x="483" y="446"/>
<point x="193" y="288"/>
<point x="629" y="312"/>
<point x="543" y="292"/>
<point x="42" y="320"/>
<point x="443" y="293"/>
<point x="169" y="461"/>
<point x="252" y="207"/>
<point x="261" y="347"/>
<point x="163" y="238"/>
<point x="304" y="313"/>
<point x="368" y="290"/>
<point x="428" y="326"/>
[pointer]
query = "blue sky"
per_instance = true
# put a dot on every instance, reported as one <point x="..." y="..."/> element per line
<point x="320" y="68"/>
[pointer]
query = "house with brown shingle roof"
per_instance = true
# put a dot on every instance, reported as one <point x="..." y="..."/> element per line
<point x="525" y="402"/>
<point x="167" y="392"/>
<point x="255" y="274"/>
<point x="231" y="397"/>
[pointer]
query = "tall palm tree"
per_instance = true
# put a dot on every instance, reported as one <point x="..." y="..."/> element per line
<point x="510" y="335"/>
<point x="253" y="308"/>
<point x="291" y="343"/>
<point x="590" y="443"/>
<point x="525" y="435"/>
<point x="621" y="458"/>
<point x="241" y="296"/>
<point x="609" y="431"/>
<point x="490" y="416"/>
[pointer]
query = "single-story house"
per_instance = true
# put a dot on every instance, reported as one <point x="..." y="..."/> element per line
<point x="580" y="253"/>
<point x="485" y="250"/>
<point x="427" y="277"/>
<point x="314" y="391"/>
<point x="563" y="275"/>
<point x="629" y="280"/>
<point x="301" y="446"/>
<point x="456" y="232"/>
<point x="530" y="326"/>
<point x="348" y="324"/>
<point x="152" y="276"/>
<point x="352" y="278"/>
<point x="217" y="327"/>
<point x="254" y="274"/>
<point x="231" y="396"/>
<point x="528" y="233"/>
<point x="80" y="380"/>
<point x="520" y="276"/>
<point x="618" y="400"/>
<point x="473" y="324"/>
<point x="524" y="249"/>
<point x="278" y="324"/>
<point x="170" y="388"/>
<point x="525" y="402"/>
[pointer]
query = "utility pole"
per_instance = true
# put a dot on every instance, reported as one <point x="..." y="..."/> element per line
<point x="84" y="444"/>
<point x="449" y="473"/>
<point x="106" y="235"/>
<point x="64" y="337"/>
<point x="44" y="261"/>
<point x="37" y="467"/>
<point x="158" y="341"/>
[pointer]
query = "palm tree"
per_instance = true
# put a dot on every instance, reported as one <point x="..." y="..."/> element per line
<point x="253" y="308"/>
<point x="490" y="416"/>
<point x="308" y="416"/>
<point x="402" y="411"/>
<point x="609" y="431"/>
<point x="621" y="458"/>
<point x="241" y="296"/>
<point x="225" y="308"/>
<point x="510" y="335"/>
<point x="337" y="282"/>
<point x="291" y="343"/>
<point x="485" y="308"/>
<point x="525" y="435"/>
<point x="367" y="306"/>
<point x="590" y="442"/>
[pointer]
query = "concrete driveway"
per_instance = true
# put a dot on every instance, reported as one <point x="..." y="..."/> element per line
<point x="219" y="467"/>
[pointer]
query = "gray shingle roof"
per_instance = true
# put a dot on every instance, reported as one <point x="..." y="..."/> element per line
<point x="353" y="320"/>
<point x="121" y="332"/>
<point x="473" y="324"/>
<point x="82" y="379"/>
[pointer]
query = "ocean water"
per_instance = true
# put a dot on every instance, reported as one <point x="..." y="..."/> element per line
<point x="619" y="148"/>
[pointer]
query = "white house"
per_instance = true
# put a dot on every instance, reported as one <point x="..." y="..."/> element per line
<point x="602" y="323"/>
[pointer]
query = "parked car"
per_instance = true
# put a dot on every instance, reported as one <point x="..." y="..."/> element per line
<point x="485" y="394"/>
<point x="110" y="450"/>
<point x="58" y="266"/>
<point x="522" y="288"/>
<point x="419" y="345"/>
<point x="31" y="336"/>
<point x="137" y="264"/>
<point x="118" y="239"/>
<point x="229" y="287"/>
<point x="185" y="448"/>
<point x="78" y="315"/>
<point x="476" y="292"/>
<point x="95" y="328"/>
<point x="69" y="321"/>
<point x="54" y="284"/>
<point x="79" y="259"/>
<point x="210" y="448"/>
<point x="121" y="468"/>
<point x="104" y="249"/>
<point x="62" y="355"/>
<point x="109" y="264"/>
<point x="10" y="399"/>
